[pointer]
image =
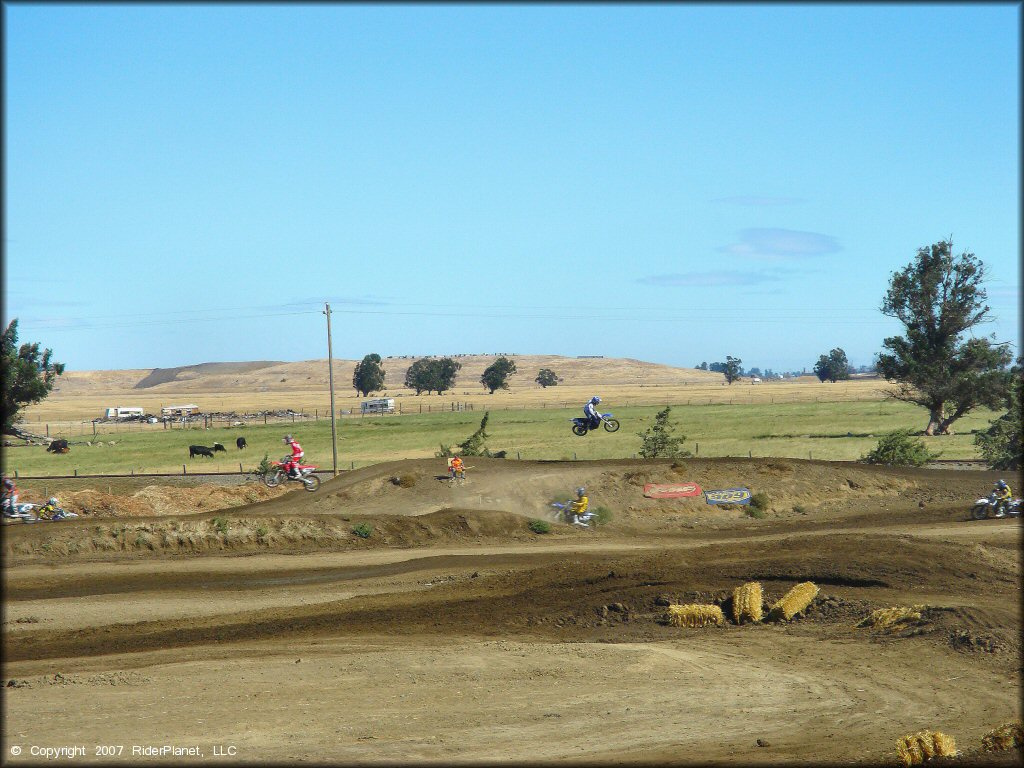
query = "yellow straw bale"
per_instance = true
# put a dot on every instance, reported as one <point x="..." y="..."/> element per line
<point x="924" y="745"/>
<point x="794" y="601"/>
<point x="891" y="619"/>
<point x="746" y="602"/>
<point x="693" y="615"/>
<point x="1006" y="736"/>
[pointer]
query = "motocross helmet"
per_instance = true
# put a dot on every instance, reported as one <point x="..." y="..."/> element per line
<point x="580" y="491"/>
<point x="53" y="501"/>
<point x="1001" y="484"/>
<point x="595" y="399"/>
<point x="287" y="438"/>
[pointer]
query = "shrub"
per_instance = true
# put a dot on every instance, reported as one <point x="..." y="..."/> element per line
<point x="363" y="530"/>
<point x="539" y="526"/>
<point x="264" y="467"/>
<point x="755" y="512"/>
<point x="262" y="531"/>
<point x="898" y="448"/>
<point x="659" y="441"/>
<point x="221" y="524"/>
<point x="800" y="509"/>
<point x="760" y="501"/>
<point x="602" y="516"/>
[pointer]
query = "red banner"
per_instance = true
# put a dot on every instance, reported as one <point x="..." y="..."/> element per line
<point x="671" y="490"/>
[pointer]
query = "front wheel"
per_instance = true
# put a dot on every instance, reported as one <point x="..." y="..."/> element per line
<point x="312" y="483"/>
<point x="579" y="429"/>
<point x="612" y="425"/>
<point x="273" y="479"/>
<point x="980" y="511"/>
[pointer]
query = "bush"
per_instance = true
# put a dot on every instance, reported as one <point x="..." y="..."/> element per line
<point x="800" y="509"/>
<point x="539" y="526"/>
<point x="363" y="530"/>
<point x="264" y="468"/>
<point x="760" y="501"/>
<point x="602" y="516"/>
<point x="898" y="448"/>
<point x="755" y="512"/>
<point x="221" y="525"/>
<point x="659" y="440"/>
<point x="262" y="531"/>
<point x="1000" y="444"/>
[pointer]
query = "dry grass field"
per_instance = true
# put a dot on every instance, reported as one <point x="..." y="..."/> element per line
<point x="303" y="386"/>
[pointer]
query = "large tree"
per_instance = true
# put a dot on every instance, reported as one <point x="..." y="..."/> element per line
<point x="832" y="367"/>
<point x="28" y="376"/>
<point x="442" y="373"/>
<point x="417" y="376"/>
<point x="732" y="369"/>
<point x="369" y="375"/>
<point x="497" y="373"/>
<point x="547" y="378"/>
<point x="939" y="297"/>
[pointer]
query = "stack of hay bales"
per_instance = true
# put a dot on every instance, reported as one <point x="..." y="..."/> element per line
<point x="924" y="745"/>
<point x="747" y="602"/>
<point x="1006" y="736"/>
<point x="693" y="615"/>
<point x="794" y="601"/>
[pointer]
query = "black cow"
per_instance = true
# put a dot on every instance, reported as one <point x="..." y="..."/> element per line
<point x="199" y="450"/>
<point x="240" y="442"/>
<point x="219" y="447"/>
<point x="58" y="446"/>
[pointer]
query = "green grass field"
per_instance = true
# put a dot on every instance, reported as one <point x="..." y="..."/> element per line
<point x="832" y="431"/>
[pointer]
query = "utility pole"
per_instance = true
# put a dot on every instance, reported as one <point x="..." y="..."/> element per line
<point x="330" y="377"/>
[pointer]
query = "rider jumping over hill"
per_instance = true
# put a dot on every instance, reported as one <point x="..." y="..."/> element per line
<point x="590" y="411"/>
<point x="292" y="466"/>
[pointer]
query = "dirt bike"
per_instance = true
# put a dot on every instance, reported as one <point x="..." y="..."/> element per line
<point x="563" y="514"/>
<point x="25" y="513"/>
<point x="986" y="506"/>
<point x="278" y="474"/>
<point x="582" y="426"/>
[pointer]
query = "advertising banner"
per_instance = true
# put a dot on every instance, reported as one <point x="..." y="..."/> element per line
<point x="671" y="490"/>
<point x="728" y="496"/>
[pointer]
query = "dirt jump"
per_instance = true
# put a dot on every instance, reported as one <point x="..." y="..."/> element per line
<point x="395" y="616"/>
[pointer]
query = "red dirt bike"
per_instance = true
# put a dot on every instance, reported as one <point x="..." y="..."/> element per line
<point x="278" y="474"/>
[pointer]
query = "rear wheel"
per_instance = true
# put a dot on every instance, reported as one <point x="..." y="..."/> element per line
<point x="273" y="479"/>
<point x="980" y="511"/>
<point x="312" y="483"/>
<point x="612" y="425"/>
<point x="579" y="429"/>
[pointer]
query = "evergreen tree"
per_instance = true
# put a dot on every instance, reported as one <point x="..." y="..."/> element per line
<point x="28" y="376"/>
<point x="658" y="441"/>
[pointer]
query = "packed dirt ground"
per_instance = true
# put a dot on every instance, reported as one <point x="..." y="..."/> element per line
<point x="267" y="630"/>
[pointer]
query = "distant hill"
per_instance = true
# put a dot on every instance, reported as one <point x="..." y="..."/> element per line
<point x="304" y="375"/>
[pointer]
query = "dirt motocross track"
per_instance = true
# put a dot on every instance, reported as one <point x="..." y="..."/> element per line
<point x="454" y="634"/>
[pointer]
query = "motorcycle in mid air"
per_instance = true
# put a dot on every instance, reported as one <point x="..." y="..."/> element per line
<point x="987" y="506"/>
<point x="278" y="474"/>
<point x="581" y="426"/>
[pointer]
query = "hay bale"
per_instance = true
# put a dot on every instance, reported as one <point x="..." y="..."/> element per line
<point x="747" y="602"/>
<point x="1006" y="736"/>
<point x="692" y="615"/>
<point x="794" y="601"/>
<point x="924" y="745"/>
<point x="893" y="619"/>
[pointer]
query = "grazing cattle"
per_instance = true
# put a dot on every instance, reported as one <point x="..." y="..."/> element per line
<point x="58" y="446"/>
<point x="219" y="447"/>
<point x="199" y="450"/>
<point x="240" y="442"/>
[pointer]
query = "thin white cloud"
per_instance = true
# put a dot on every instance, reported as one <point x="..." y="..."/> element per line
<point x="758" y="200"/>
<point x="772" y="243"/>
<point x="705" y="279"/>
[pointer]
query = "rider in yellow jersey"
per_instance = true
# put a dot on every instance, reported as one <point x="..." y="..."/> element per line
<point x="1002" y="493"/>
<point x="579" y="508"/>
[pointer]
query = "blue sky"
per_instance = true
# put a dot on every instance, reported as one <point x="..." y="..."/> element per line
<point x="673" y="183"/>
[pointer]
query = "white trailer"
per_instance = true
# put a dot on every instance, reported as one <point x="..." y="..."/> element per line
<point x="379" y="405"/>
<point x="124" y="412"/>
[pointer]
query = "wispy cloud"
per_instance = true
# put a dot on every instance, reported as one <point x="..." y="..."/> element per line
<point x="781" y="244"/>
<point x="758" y="201"/>
<point x="705" y="279"/>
